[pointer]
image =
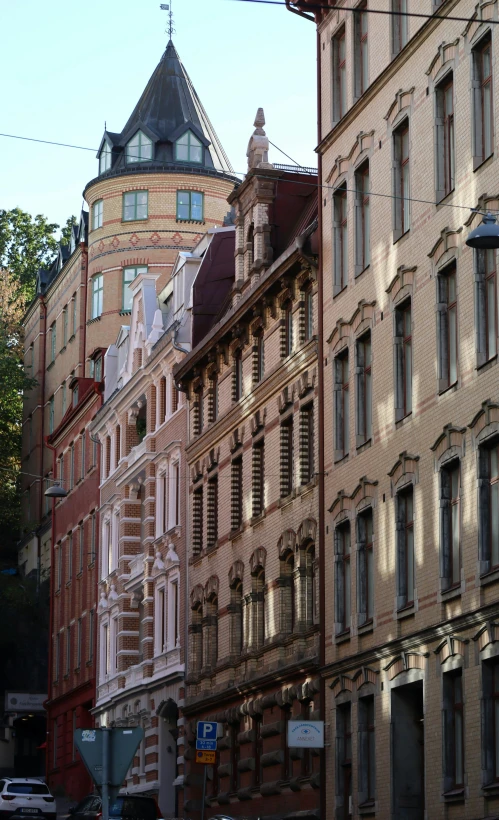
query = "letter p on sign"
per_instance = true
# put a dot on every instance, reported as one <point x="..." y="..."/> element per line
<point x="207" y="730"/>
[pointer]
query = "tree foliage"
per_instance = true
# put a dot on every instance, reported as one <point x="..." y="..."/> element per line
<point x="26" y="244"/>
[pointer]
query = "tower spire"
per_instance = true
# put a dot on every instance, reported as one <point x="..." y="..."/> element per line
<point x="168" y="7"/>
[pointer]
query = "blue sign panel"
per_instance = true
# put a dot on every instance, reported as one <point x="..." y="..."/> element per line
<point x="206" y="745"/>
<point x="207" y="730"/>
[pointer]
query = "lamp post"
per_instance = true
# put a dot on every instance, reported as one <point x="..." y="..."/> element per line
<point x="55" y="491"/>
<point x="486" y="236"/>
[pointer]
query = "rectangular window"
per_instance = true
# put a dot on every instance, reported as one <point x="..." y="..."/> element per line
<point x="98" y="212"/>
<point x="405" y="548"/>
<point x="339" y="75"/>
<point x="74" y="315"/>
<point x="258" y="482"/>
<point x="400" y="25"/>
<point x="78" y="644"/>
<point x="236" y="480"/>
<point x="91" y="627"/>
<point x="362" y="219"/>
<point x="287" y="329"/>
<point x="344" y="758"/>
<point x="483" y="102"/>
<point x="287" y="457"/>
<point x="307" y="444"/>
<point x="309" y="313"/>
<point x="64" y="399"/>
<point x="53" y="341"/>
<point x="401" y="181"/>
<point x="55" y="738"/>
<point x="341" y="406"/>
<point x="490" y="722"/>
<point x="81" y="546"/>
<point x="190" y="206"/>
<point x="367" y="751"/>
<point x="361" y="56"/>
<point x="450" y="541"/>
<point x="486" y="329"/>
<point x="444" y="133"/>
<point x="93" y="525"/>
<point x="71" y="466"/>
<point x="447" y="327"/>
<point x="105" y="158"/>
<point x="197" y="520"/>
<point x="97" y="295"/>
<point x="365" y="567"/>
<point x="139" y="149"/>
<point x="403" y="360"/>
<point x="188" y="148"/>
<point x="65" y="326"/>
<point x="175" y="490"/>
<point x="58" y="557"/>
<point x="83" y="447"/>
<point x="51" y="414"/>
<point x="68" y="650"/>
<point x="343" y="591"/>
<point x="238" y="375"/>
<point x="105" y="649"/>
<point x="212" y="513"/>
<point x="340" y="238"/>
<point x="488" y="495"/>
<point x="453" y="723"/>
<point x="259" y="353"/>
<point x="129" y="275"/>
<point x="135" y="205"/>
<point x="70" y="556"/>
<point x="57" y="658"/>
<point x="363" y="394"/>
<point x="161" y="621"/>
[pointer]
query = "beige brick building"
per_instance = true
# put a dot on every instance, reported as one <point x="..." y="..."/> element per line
<point x="408" y="131"/>
<point x="251" y="385"/>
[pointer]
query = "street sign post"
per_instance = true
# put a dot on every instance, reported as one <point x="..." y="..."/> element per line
<point x="107" y="755"/>
<point x="206" y="750"/>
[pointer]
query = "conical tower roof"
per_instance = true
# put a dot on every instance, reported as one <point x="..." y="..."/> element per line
<point x="168" y="106"/>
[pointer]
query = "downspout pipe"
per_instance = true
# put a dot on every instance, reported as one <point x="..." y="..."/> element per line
<point x="42" y="439"/>
<point x="320" y="380"/>
<point x="51" y="600"/>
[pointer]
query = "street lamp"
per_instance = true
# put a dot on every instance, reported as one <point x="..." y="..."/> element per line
<point x="486" y="236"/>
<point x="55" y="491"/>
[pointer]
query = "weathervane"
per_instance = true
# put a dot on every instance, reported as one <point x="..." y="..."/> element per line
<point x="168" y="7"/>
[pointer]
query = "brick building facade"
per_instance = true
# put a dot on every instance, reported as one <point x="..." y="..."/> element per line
<point x="161" y="182"/>
<point x="407" y="140"/>
<point x="251" y="385"/>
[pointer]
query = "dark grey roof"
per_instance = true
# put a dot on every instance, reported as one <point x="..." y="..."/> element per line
<point x="169" y="106"/>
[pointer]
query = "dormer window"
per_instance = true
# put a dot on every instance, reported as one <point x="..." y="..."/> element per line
<point x="105" y="158"/>
<point x="188" y="148"/>
<point x="75" y="396"/>
<point x="139" y="149"/>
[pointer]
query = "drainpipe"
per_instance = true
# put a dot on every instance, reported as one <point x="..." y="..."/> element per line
<point x="83" y="346"/>
<point x="42" y="437"/>
<point x="51" y="600"/>
<point x="322" y="540"/>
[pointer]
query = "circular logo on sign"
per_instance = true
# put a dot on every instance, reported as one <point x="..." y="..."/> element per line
<point x="306" y="731"/>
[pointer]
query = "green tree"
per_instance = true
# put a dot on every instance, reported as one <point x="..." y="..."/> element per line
<point x="26" y="244"/>
<point x="66" y="231"/>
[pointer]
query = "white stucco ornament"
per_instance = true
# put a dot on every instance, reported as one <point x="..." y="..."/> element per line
<point x="158" y="561"/>
<point x="103" y="600"/>
<point x="113" y="595"/>
<point x="171" y="555"/>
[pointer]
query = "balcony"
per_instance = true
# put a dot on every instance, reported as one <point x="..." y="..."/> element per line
<point x="136" y="565"/>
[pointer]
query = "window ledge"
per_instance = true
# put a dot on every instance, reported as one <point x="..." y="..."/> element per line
<point x="369" y="807"/>
<point x="364" y="446"/>
<point x="286" y="500"/>
<point x="68" y="584"/>
<point x="125" y="312"/>
<point x="339" y="459"/>
<point x="237" y="532"/>
<point x="257" y="519"/>
<point x="445" y="196"/>
<point x="191" y="221"/>
<point x="365" y="629"/>
<point x="140" y="219"/>
<point x="338" y="290"/>
<point x="89" y="662"/>
<point x="79" y="573"/>
<point x="484" y="366"/>
<point x="491" y="790"/>
<point x="397" y="235"/>
<point x="305" y="489"/>
<point x="360" y="272"/>
<point x="479" y="161"/>
<point x="454" y="386"/>
<point x="403" y="420"/>
<point x="454" y="795"/>
<point x="406" y="612"/>
<point x="342" y="637"/>
<point x="71" y="338"/>
<point x="489" y="577"/>
<point x="95" y="319"/>
<point x="62" y="349"/>
<point x="50" y="366"/>
<point x="450" y="593"/>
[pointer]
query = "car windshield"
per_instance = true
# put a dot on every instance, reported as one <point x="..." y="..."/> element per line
<point x="135" y="808"/>
<point x="27" y="788"/>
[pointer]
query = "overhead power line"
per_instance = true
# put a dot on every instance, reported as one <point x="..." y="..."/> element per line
<point x="369" y="10"/>
<point x="297" y="182"/>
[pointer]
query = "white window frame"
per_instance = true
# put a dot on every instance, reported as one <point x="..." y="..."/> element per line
<point x="115" y="538"/>
<point x="97" y="295"/>
<point x="161" y="498"/>
<point x="106" y="536"/>
<point x="113" y="640"/>
<point x="98" y="214"/>
<point x="105" y="158"/>
<point x="104" y="647"/>
<point x="172" y="490"/>
<point x="172" y="640"/>
<point x="142" y="151"/>
<point x="160" y="619"/>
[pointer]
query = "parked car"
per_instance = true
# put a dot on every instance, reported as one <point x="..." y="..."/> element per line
<point x="126" y="806"/>
<point x="25" y="797"/>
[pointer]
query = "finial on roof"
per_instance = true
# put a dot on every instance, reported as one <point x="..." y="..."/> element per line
<point x="258" y="146"/>
<point x="170" y="29"/>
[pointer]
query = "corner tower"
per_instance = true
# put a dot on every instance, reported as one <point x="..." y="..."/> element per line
<point x="162" y="182"/>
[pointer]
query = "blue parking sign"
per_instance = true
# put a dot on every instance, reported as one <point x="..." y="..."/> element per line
<point x="207" y="730"/>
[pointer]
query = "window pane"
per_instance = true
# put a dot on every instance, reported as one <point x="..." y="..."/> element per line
<point x="456" y="561"/>
<point x="196" y="154"/>
<point x="491" y="316"/>
<point x="496" y="737"/>
<point x="196" y="206"/>
<point x="370" y="582"/>
<point x="494" y="463"/>
<point x="452" y="346"/>
<point x="494" y="523"/>
<point x="408" y="376"/>
<point x="347" y="595"/>
<point x="458" y="739"/>
<point x="182" y="151"/>
<point x="368" y="410"/>
<point x="487" y="120"/>
<point x="410" y="563"/>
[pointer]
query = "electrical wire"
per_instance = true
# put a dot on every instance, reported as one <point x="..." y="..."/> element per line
<point x="368" y="10"/>
<point x="101" y="481"/>
<point x="314" y="185"/>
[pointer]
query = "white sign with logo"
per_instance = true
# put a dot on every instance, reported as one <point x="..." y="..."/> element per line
<point x="24" y="702"/>
<point x="306" y="734"/>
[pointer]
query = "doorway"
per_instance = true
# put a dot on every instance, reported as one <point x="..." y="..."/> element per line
<point x="407" y="765"/>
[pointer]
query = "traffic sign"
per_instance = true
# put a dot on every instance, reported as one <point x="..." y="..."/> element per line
<point x="207" y="730"/>
<point x="206" y="745"/>
<point x="123" y="744"/>
<point x="206" y="757"/>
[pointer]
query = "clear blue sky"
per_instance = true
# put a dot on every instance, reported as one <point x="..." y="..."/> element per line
<point x="68" y="67"/>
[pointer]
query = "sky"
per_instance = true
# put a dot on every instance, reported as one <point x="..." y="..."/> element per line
<point x="69" y="67"/>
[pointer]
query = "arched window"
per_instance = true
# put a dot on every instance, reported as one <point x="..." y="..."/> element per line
<point x="139" y="149"/>
<point x="210" y="632"/>
<point x="236" y="618"/>
<point x="196" y="637"/>
<point x="287" y="597"/>
<point x="258" y="607"/>
<point x="188" y="148"/>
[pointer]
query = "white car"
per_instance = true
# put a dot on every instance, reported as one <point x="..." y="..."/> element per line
<point x="25" y="797"/>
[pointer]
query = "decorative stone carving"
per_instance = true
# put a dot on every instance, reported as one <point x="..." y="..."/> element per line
<point x="258" y="146"/>
<point x="103" y="601"/>
<point x="171" y="555"/>
<point x="113" y="595"/>
<point x="158" y="561"/>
